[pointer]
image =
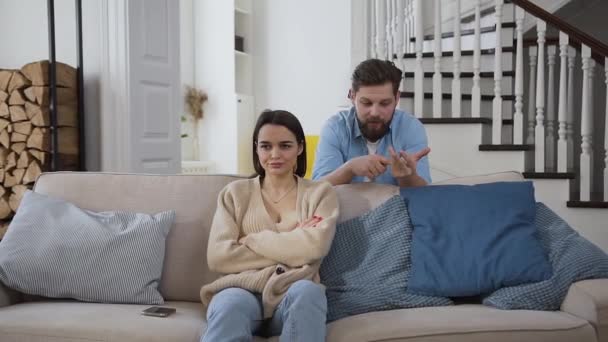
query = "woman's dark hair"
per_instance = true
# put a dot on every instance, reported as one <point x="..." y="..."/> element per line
<point x="373" y="72"/>
<point x="289" y="121"/>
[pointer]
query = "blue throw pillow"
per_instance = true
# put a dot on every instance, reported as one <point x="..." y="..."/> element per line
<point x="573" y="258"/>
<point x="472" y="240"/>
<point x="368" y="265"/>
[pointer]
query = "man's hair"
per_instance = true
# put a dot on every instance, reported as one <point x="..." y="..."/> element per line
<point x="373" y="72"/>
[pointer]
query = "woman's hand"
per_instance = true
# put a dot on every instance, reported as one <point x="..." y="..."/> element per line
<point x="310" y="223"/>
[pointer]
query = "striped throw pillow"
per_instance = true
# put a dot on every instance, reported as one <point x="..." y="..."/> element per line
<point x="54" y="249"/>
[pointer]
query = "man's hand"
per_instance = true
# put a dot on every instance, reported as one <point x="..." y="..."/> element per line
<point x="404" y="164"/>
<point x="370" y="166"/>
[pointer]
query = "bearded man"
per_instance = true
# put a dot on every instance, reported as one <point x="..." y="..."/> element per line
<point x="373" y="140"/>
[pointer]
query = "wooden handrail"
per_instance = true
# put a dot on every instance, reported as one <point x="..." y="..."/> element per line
<point x="575" y="34"/>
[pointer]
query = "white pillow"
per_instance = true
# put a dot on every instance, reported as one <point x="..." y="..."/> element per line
<point x="54" y="249"/>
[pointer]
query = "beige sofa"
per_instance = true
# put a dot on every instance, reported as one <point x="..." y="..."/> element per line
<point x="583" y="317"/>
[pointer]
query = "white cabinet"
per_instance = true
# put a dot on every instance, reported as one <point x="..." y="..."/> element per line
<point x="225" y="73"/>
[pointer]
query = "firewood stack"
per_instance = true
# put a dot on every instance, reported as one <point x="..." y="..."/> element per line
<point x="25" y="134"/>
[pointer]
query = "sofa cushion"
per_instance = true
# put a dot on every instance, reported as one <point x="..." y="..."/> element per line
<point x="193" y="197"/>
<point x="368" y="265"/>
<point x="573" y="257"/>
<point x="471" y="240"/>
<point x="55" y="249"/>
<point x="461" y="323"/>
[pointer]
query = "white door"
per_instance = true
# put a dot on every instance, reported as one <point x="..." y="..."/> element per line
<point x="154" y="93"/>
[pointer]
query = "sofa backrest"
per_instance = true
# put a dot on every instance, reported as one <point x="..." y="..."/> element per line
<point x="194" y="199"/>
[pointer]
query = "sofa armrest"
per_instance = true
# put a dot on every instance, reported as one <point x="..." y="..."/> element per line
<point x="8" y="296"/>
<point x="588" y="299"/>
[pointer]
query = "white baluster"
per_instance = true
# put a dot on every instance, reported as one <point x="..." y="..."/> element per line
<point x="550" y="131"/>
<point x="419" y="71"/>
<point x="373" y="35"/>
<point x="532" y="95"/>
<point x="476" y="91"/>
<point x="586" y="149"/>
<point x="381" y="46"/>
<point x="399" y="49"/>
<point x="437" y="91"/>
<point x="413" y="25"/>
<point x="497" y="103"/>
<point x="606" y="136"/>
<point x="518" y="116"/>
<point x="562" y="142"/>
<point x="406" y="26"/>
<point x="539" y="131"/>
<point x="389" y="29"/>
<point x="592" y="65"/>
<point x="456" y="84"/>
<point x="570" y="117"/>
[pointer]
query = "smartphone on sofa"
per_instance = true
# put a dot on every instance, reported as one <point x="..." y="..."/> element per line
<point x="158" y="311"/>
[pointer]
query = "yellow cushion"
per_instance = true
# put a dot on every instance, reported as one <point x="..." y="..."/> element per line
<point x="311" y="148"/>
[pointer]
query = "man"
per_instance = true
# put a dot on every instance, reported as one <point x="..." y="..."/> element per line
<point x="373" y="141"/>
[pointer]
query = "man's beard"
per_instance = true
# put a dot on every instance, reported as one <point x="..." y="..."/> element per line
<point x="373" y="134"/>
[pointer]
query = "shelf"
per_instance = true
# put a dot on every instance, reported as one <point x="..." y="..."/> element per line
<point x="241" y="53"/>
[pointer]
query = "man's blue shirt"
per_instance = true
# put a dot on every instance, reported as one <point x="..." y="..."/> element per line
<point x="341" y="140"/>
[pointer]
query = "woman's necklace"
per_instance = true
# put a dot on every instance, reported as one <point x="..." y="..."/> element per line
<point x="282" y="196"/>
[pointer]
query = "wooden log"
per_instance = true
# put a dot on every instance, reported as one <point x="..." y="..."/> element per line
<point x="11" y="161"/>
<point x="5" y="139"/>
<point x="68" y="161"/>
<point x="3" y="96"/>
<point x="4" y="111"/>
<point x="42" y="95"/>
<point x="25" y="158"/>
<point x="2" y="172"/>
<point x="32" y="173"/>
<point x="4" y="123"/>
<point x="2" y="191"/>
<point x="3" y="155"/>
<point x="38" y="73"/>
<point x="15" y="198"/>
<point x="14" y="178"/>
<point x="5" y="209"/>
<point x="24" y="127"/>
<point x="16" y="98"/>
<point x="67" y="115"/>
<point x="17" y="113"/>
<point x="5" y="78"/>
<point x="18" y="81"/>
<point x="67" y="138"/>
<point x="18" y="137"/>
<point x="18" y="147"/>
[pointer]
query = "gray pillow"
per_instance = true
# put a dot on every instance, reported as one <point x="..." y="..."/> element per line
<point x="54" y="249"/>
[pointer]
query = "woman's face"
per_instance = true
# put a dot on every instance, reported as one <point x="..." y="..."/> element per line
<point x="278" y="150"/>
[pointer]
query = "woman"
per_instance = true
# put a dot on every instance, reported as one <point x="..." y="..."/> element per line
<point x="268" y="237"/>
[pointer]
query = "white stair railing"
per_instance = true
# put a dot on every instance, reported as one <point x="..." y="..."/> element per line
<point x="398" y="35"/>
<point x="373" y="34"/>
<point x="381" y="42"/>
<point x="456" y="84"/>
<point x="570" y="118"/>
<point x="476" y="90"/>
<point x="437" y="92"/>
<point x="562" y="141"/>
<point x="532" y="51"/>
<point x="550" y="128"/>
<point x="497" y="103"/>
<point x="406" y="25"/>
<point x="419" y="71"/>
<point x="586" y="121"/>
<point x="539" y="131"/>
<point x="518" y="116"/>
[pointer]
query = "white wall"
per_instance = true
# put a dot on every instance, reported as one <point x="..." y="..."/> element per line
<point x="302" y="57"/>
<point x="24" y="39"/>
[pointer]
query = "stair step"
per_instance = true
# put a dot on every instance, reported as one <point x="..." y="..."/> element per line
<point x="487" y="74"/>
<point x="506" y="49"/>
<point x="587" y="204"/>
<point x="506" y="147"/>
<point x="446" y="96"/>
<point x="467" y="32"/>
<point x="484" y="121"/>
<point x="549" y="175"/>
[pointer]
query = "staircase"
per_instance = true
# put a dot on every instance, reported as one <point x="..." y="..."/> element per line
<point x="493" y="101"/>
